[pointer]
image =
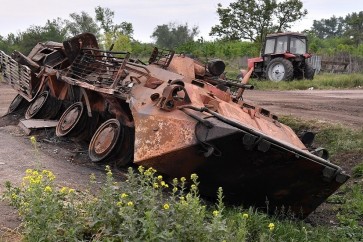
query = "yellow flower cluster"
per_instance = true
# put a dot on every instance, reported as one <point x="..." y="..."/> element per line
<point x="149" y="172"/>
<point x="33" y="176"/>
<point x="124" y="195"/>
<point x="215" y="213"/>
<point x="194" y="176"/>
<point x="166" y="206"/>
<point x="66" y="190"/>
<point x="48" y="174"/>
<point x="130" y="204"/>
<point x="33" y="140"/>
<point x="271" y="226"/>
<point x="245" y="215"/>
<point x="48" y="189"/>
<point x="109" y="172"/>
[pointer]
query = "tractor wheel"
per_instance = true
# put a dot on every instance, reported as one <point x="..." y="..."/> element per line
<point x="280" y="69"/>
<point x="309" y="72"/>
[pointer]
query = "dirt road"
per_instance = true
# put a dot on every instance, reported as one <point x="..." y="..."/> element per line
<point x="17" y="153"/>
<point x="334" y="106"/>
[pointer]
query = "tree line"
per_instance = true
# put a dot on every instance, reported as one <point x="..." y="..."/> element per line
<point x="242" y="27"/>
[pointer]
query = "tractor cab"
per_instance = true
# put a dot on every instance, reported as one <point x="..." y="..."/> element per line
<point x="282" y="43"/>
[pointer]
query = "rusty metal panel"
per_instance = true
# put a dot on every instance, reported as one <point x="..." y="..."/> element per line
<point x="17" y="75"/>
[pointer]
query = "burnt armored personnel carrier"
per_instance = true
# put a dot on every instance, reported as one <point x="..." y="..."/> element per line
<point x="174" y="114"/>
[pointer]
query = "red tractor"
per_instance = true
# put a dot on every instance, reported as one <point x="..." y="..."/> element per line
<point x="284" y="57"/>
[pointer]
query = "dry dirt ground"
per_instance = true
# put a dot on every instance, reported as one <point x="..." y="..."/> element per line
<point x="70" y="165"/>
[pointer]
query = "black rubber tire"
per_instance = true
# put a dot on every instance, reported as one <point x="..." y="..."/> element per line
<point x="309" y="71"/>
<point x="280" y="69"/>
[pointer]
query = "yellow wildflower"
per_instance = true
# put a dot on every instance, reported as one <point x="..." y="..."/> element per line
<point x="162" y="183"/>
<point x="175" y="189"/>
<point x="130" y="204"/>
<point x="33" y="140"/>
<point x="182" y="179"/>
<point x="141" y="169"/>
<point x="215" y="213"/>
<point x="271" y="226"/>
<point x="194" y="176"/>
<point x="48" y="189"/>
<point x="64" y="190"/>
<point x="160" y="177"/>
<point x="166" y="206"/>
<point x="194" y="187"/>
<point x="14" y="196"/>
<point x="71" y="191"/>
<point x="49" y="174"/>
<point x="28" y="171"/>
<point x="119" y="204"/>
<point x="245" y="215"/>
<point x="124" y="195"/>
<point x="109" y="172"/>
<point x="155" y="185"/>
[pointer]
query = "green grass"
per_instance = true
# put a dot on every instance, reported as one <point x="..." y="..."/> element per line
<point x="321" y="81"/>
<point x="335" y="138"/>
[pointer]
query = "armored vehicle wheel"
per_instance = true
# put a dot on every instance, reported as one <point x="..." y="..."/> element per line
<point x="44" y="106"/>
<point x="71" y="121"/>
<point x="280" y="69"/>
<point x="36" y="105"/>
<point x="104" y="140"/>
<point x="309" y="72"/>
<point x="18" y="103"/>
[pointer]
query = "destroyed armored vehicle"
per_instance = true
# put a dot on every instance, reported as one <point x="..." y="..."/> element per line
<point x="174" y="114"/>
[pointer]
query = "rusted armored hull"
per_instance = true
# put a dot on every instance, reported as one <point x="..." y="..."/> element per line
<point x="174" y="114"/>
<point x="253" y="168"/>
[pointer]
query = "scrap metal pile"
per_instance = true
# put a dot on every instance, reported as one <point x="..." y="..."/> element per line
<point x="174" y="114"/>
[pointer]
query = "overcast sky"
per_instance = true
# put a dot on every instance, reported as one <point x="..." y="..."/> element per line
<point x="145" y="15"/>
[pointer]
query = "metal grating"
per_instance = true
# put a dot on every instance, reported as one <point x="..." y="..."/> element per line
<point x="100" y="68"/>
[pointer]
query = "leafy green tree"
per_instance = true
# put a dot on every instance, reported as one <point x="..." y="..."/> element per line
<point x="253" y="19"/>
<point x="354" y="27"/>
<point x="119" y="41"/>
<point x="80" y="23"/>
<point x="54" y="30"/>
<point x="105" y="17"/>
<point x="328" y="28"/>
<point x="9" y="44"/>
<point x="172" y="35"/>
